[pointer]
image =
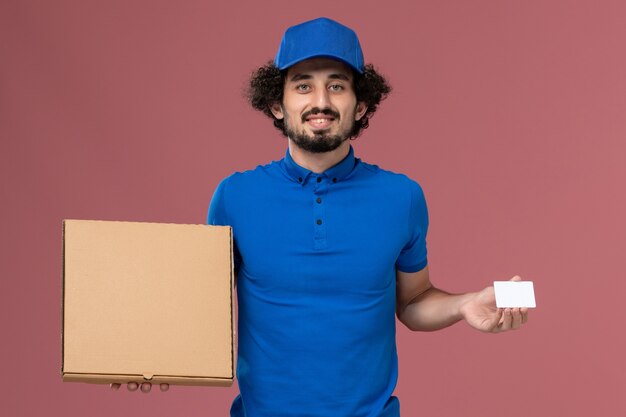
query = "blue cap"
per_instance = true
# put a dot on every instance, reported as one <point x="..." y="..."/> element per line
<point x="320" y="37"/>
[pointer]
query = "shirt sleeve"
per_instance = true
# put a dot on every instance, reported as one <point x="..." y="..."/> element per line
<point x="413" y="257"/>
<point x="218" y="216"/>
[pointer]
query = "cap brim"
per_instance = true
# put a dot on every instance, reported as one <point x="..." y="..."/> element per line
<point x="305" y="57"/>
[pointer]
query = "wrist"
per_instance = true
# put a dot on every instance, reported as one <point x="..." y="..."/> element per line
<point x="462" y="304"/>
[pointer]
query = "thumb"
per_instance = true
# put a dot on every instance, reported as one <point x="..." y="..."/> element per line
<point x="516" y="278"/>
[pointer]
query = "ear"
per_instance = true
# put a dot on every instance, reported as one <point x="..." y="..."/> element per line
<point x="277" y="111"/>
<point x="361" y="109"/>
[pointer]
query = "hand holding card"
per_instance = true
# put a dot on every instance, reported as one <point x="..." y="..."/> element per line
<point x="491" y="311"/>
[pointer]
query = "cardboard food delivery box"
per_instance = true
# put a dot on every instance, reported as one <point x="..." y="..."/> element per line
<point x="147" y="302"/>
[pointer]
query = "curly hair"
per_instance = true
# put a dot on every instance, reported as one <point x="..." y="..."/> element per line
<point x="267" y="84"/>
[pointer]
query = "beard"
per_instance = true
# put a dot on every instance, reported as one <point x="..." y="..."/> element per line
<point x="321" y="141"/>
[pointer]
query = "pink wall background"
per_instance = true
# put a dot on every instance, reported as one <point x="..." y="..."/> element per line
<point x="511" y="114"/>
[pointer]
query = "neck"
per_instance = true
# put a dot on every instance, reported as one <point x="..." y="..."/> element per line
<point x="318" y="162"/>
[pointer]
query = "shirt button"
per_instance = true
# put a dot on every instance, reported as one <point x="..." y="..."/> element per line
<point x="319" y="200"/>
<point x="319" y="179"/>
<point x="334" y="179"/>
<point x="299" y="179"/>
<point x="319" y="222"/>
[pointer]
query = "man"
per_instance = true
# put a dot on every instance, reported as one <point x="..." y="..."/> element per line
<point x="329" y="249"/>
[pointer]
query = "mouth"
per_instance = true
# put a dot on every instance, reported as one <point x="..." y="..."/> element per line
<point x="320" y="120"/>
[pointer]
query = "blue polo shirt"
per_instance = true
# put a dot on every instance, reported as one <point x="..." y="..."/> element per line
<point x="316" y="258"/>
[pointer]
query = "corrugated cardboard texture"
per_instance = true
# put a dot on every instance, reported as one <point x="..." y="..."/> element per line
<point x="147" y="301"/>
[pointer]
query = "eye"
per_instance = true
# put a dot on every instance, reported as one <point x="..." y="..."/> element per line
<point x="303" y="87"/>
<point x="335" y="87"/>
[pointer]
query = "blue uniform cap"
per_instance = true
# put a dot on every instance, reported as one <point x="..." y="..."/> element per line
<point x="320" y="37"/>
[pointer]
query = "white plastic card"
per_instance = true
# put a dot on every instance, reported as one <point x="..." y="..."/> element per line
<point x="514" y="294"/>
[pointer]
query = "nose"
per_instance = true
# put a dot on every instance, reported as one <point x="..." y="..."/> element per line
<point x="322" y="99"/>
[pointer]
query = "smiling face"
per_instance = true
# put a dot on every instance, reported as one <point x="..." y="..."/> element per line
<point x="319" y="104"/>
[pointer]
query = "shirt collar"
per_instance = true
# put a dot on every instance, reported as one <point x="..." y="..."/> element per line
<point x="336" y="173"/>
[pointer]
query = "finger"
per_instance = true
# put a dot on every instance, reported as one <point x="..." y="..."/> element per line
<point x="132" y="386"/>
<point x="115" y="386"/>
<point x="517" y="319"/>
<point x="506" y="320"/>
<point x="524" y="312"/>
<point x="516" y="278"/>
<point x="501" y="319"/>
<point x="164" y="387"/>
<point x="146" y="387"/>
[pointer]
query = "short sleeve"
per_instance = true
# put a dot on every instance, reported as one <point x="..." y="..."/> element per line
<point x="217" y="208"/>
<point x="218" y="216"/>
<point x="413" y="257"/>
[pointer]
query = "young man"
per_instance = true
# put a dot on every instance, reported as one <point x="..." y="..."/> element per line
<point x="329" y="249"/>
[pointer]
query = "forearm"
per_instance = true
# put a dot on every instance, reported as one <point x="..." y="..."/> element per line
<point x="434" y="309"/>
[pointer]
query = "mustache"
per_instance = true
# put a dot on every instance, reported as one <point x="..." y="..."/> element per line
<point x="317" y="110"/>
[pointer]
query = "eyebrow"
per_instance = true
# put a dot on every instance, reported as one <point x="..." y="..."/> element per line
<point x="337" y="76"/>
